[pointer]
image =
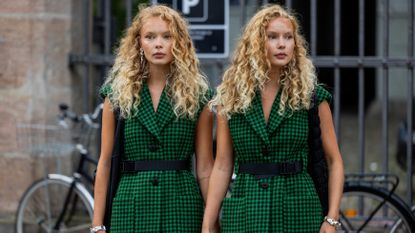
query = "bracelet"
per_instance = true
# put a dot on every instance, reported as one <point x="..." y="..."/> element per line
<point x="97" y="228"/>
<point x="332" y="222"/>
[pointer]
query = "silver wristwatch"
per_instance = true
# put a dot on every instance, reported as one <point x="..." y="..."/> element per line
<point x="332" y="222"/>
<point x="97" y="229"/>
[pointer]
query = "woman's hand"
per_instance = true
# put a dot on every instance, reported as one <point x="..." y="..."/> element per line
<point x="327" y="228"/>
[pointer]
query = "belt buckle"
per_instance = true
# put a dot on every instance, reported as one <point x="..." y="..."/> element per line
<point x="122" y="167"/>
<point x="284" y="169"/>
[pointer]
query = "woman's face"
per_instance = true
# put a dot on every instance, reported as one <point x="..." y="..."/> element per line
<point x="280" y="42"/>
<point x="156" y="41"/>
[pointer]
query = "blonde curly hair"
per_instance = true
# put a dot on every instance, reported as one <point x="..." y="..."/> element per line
<point x="250" y="67"/>
<point x="186" y="82"/>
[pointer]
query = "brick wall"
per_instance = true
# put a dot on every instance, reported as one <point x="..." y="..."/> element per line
<point x="35" y="39"/>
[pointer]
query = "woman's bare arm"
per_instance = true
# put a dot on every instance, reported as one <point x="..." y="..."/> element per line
<point x="104" y="163"/>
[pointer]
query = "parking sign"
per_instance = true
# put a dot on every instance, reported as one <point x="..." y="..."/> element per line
<point x="209" y="24"/>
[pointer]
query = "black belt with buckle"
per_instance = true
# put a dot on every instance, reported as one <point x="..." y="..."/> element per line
<point x="154" y="165"/>
<point x="264" y="170"/>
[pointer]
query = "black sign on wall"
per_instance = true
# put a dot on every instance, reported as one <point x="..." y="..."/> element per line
<point x="209" y="24"/>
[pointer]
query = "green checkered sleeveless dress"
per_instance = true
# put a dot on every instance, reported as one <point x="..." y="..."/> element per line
<point x="280" y="203"/>
<point x="157" y="201"/>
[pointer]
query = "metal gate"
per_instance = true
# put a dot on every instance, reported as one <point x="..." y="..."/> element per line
<point x="349" y="41"/>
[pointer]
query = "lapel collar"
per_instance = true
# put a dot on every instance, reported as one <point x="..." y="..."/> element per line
<point x="146" y="113"/>
<point x="165" y="110"/>
<point x="255" y="117"/>
<point x="275" y="118"/>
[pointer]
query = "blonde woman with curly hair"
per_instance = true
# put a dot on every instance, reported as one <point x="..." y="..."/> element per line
<point x="262" y="131"/>
<point x="156" y="87"/>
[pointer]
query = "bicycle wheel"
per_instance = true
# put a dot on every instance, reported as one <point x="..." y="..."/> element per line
<point x="399" y="223"/>
<point x="42" y="204"/>
<point x="371" y="210"/>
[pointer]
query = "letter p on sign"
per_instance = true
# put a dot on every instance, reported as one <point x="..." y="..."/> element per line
<point x="187" y="4"/>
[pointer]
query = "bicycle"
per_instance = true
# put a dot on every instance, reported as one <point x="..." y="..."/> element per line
<point x="59" y="203"/>
<point x="369" y="204"/>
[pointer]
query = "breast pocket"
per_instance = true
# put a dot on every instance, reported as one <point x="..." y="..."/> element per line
<point x="178" y="136"/>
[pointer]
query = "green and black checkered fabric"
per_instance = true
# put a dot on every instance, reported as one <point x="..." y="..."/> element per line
<point x="280" y="203"/>
<point x="157" y="201"/>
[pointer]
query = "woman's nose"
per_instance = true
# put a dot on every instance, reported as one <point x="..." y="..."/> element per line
<point x="159" y="42"/>
<point x="280" y="43"/>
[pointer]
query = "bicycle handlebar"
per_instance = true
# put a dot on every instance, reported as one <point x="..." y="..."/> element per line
<point x="89" y="119"/>
<point x="65" y="113"/>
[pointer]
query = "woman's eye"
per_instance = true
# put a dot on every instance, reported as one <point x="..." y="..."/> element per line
<point x="288" y="36"/>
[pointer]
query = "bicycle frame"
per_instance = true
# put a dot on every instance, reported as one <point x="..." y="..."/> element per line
<point x="75" y="181"/>
<point x="382" y="184"/>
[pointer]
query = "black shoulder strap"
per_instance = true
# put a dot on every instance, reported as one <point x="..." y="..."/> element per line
<point x="314" y="135"/>
<point x="317" y="165"/>
<point x="119" y="137"/>
<point x="114" y="178"/>
<point x="313" y="112"/>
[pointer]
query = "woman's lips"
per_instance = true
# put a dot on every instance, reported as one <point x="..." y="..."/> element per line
<point x="159" y="55"/>
<point x="281" y="55"/>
